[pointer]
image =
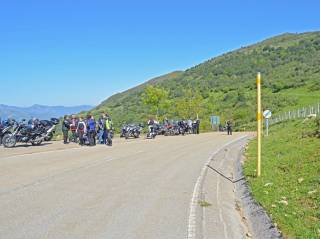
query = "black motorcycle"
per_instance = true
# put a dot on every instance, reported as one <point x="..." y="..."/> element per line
<point x="131" y="131"/>
<point x="23" y="133"/>
<point x="48" y="128"/>
<point x="182" y="126"/>
<point x="110" y="137"/>
<point x="123" y="131"/>
<point x="5" y="128"/>
<point x="152" y="132"/>
<point x="176" y="128"/>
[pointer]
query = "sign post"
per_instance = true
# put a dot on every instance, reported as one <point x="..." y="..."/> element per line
<point x="267" y="115"/>
<point x="259" y="116"/>
<point x="215" y="121"/>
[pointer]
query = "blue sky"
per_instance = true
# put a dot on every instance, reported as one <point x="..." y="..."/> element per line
<point x="81" y="52"/>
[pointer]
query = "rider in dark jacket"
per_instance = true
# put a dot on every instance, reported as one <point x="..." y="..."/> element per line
<point x="198" y="126"/>
<point x="65" y="128"/>
<point x="91" y="130"/>
<point x="108" y="130"/>
<point x="101" y="129"/>
<point x="229" y="127"/>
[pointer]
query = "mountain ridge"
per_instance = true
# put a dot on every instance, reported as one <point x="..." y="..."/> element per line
<point x="40" y="111"/>
<point x="288" y="63"/>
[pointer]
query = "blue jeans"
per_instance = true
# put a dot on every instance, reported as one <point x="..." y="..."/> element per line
<point x="100" y="137"/>
<point x="105" y="136"/>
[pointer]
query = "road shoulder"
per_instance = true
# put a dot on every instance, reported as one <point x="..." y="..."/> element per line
<point x="225" y="201"/>
<point x="259" y="223"/>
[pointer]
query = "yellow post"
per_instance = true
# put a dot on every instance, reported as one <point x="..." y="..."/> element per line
<point x="259" y="118"/>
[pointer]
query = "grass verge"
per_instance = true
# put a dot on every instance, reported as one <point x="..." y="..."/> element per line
<point x="289" y="188"/>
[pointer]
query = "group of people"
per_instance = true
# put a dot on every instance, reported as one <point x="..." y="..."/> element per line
<point x="87" y="130"/>
<point x="194" y="125"/>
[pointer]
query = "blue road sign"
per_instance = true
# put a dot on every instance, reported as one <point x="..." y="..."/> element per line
<point x="215" y="120"/>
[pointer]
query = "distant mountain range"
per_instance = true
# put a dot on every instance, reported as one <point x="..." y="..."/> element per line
<point x="40" y="111"/>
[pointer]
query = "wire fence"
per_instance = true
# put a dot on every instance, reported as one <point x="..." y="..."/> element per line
<point x="302" y="113"/>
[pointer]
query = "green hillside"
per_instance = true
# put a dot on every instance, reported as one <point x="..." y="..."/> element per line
<point x="290" y="67"/>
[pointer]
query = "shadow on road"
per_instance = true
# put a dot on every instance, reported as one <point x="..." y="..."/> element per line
<point x="29" y="145"/>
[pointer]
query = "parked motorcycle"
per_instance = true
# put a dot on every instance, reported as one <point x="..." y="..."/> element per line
<point x="132" y="131"/>
<point x="48" y="128"/>
<point x="152" y="132"/>
<point x="23" y="133"/>
<point x="159" y="129"/>
<point x="5" y="128"/>
<point x="175" y="128"/>
<point x="182" y="127"/>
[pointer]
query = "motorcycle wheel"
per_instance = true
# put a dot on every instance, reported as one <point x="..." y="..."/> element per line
<point x="9" y="141"/>
<point x="36" y="142"/>
<point x="49" y="137"/>
<point x="109" y="140"/>
<point x="127" y="136"/>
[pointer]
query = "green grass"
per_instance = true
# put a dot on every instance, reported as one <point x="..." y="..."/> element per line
<point x="303" y="96"/>
<point x="289" y="188"/>
<point x="204" y="204"/>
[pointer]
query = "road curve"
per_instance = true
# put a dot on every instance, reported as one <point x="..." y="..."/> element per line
<point x="136" y="189"/>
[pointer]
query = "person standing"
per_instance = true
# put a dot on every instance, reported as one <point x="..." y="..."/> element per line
<point x="91" y="130"/>
<point x="189" y="126"/>
<point x="101" y="130"/>
<point x="198" y="126"/>
<point x="81" y="130"/>
<point x="65" y="128"/>
<point x="108" y="129"/>
<point x="229" y="127"/>
<point x="73" y="128"/>
<point x="151" y="124"/>
<point x="194" y="127"/>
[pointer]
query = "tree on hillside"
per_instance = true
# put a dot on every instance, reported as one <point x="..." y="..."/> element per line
<point x="189" y="105"/>
<point x="156" y="98"/>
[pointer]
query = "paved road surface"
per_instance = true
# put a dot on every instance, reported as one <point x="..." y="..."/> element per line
<point x="136" y="189"/>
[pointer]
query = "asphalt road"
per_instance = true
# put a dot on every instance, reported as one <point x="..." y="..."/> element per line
<point x="135" y="189"/>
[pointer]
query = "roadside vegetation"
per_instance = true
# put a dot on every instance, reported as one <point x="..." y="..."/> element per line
<point x="289" y="188"/>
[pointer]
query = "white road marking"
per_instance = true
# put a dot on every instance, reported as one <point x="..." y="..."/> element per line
<point x="44" y="152"/>
<point x="192" y="224"/>
<point x="218" y="201"/>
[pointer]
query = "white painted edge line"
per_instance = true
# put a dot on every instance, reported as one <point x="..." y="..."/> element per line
<point x="192" y="222"/>
<point x="45" y="152"/>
